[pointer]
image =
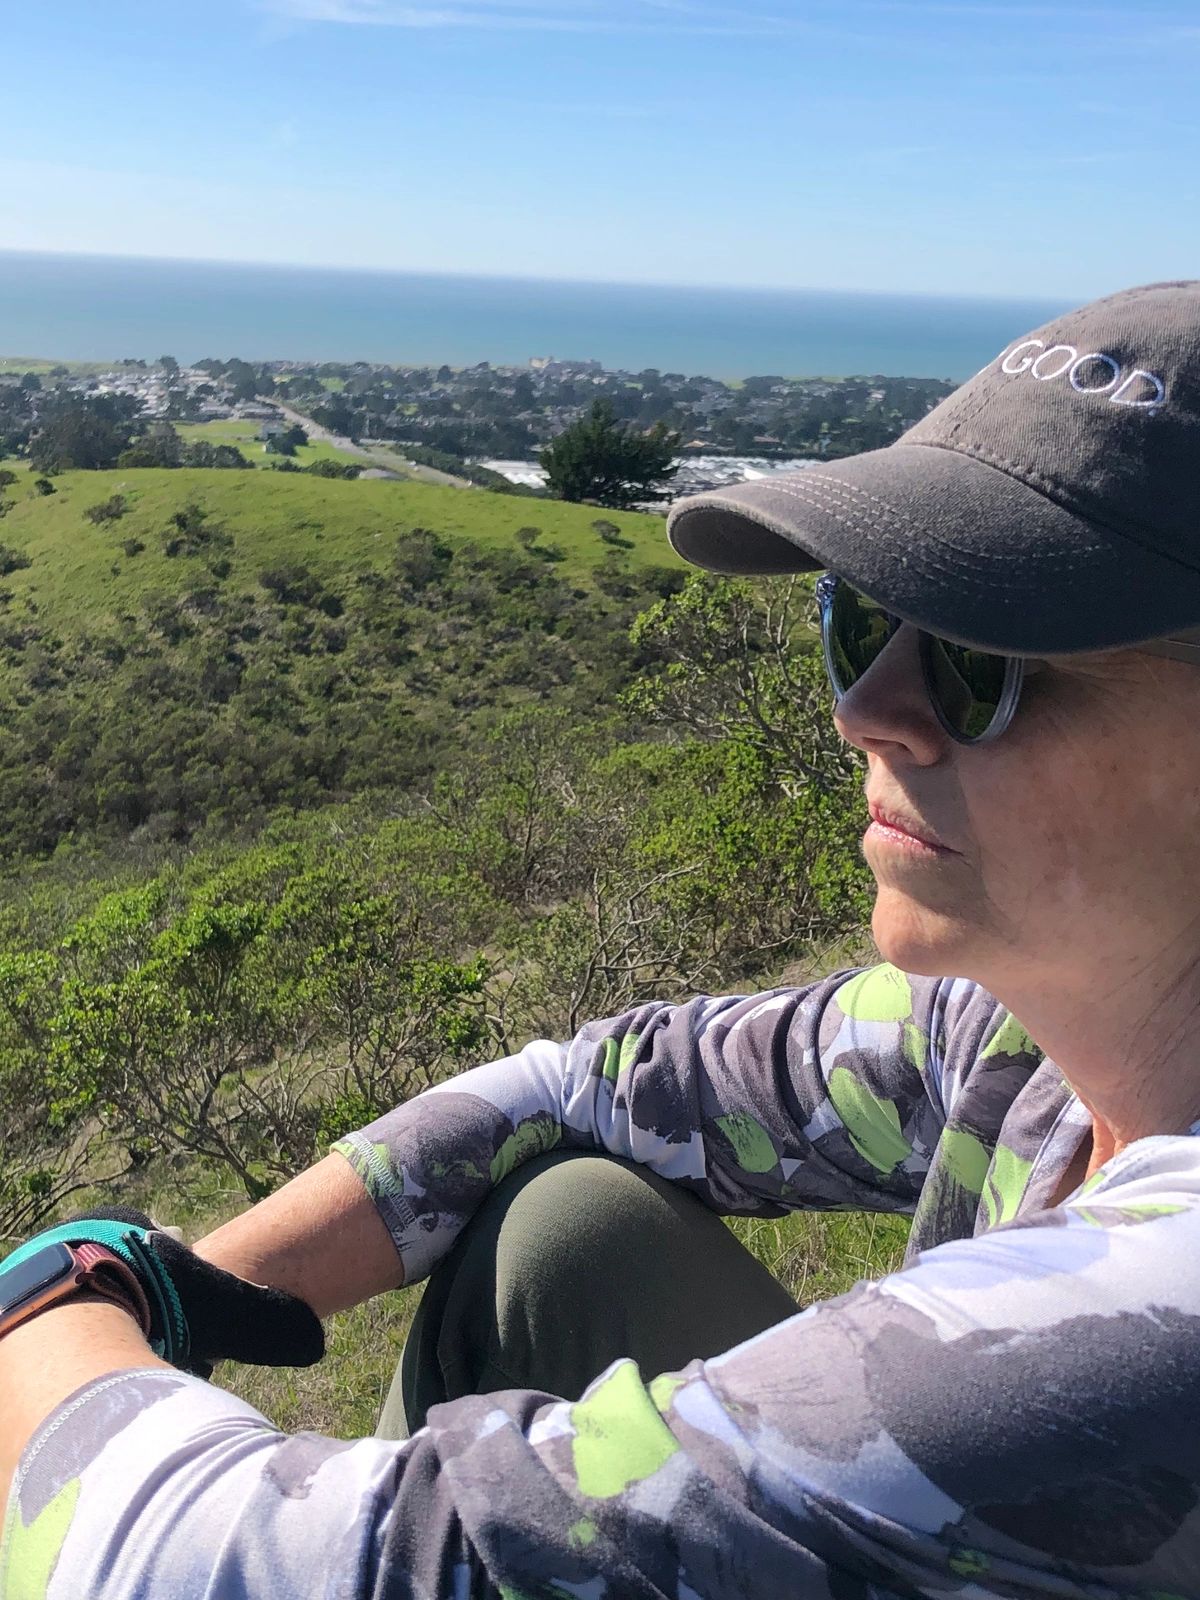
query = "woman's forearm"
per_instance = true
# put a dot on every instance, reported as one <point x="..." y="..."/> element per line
<point x="319" y="1237"/>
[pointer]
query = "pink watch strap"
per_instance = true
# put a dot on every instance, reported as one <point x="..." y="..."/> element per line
<point x="103" y="1272"/>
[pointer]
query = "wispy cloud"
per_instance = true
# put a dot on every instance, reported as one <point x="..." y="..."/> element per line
<point x="573" y="16"/>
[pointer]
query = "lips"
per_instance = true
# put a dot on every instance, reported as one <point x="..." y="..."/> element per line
<point x="897" y="822"/>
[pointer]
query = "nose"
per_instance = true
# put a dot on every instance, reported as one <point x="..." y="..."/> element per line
<point x="887" y="712"/>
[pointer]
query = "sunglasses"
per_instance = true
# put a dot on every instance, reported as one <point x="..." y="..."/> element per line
<point x="974" y="693"/>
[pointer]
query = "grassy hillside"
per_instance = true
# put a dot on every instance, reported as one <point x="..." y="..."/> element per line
<point x="245" y="435"/>
<point x="338" y="528"/>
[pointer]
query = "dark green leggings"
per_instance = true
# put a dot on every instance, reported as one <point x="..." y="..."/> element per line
<point x="575" y="1260"/>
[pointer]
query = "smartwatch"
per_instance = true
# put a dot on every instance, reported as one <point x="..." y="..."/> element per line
<point x="57" y="1270"/>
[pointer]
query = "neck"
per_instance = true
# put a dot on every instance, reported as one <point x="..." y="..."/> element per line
<point x="1126" y="1046"/>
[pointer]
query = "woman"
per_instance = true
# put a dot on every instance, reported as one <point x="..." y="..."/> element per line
<point x="1017" y="1412"/>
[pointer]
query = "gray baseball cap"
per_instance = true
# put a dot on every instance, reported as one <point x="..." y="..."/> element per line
<point x="1050" y="504"/>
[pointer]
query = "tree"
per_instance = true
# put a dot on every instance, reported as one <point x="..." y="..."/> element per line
<point x="159" y="446"/>
<point x="85" y="433"/>
<point x="170" y="367"/>
<point x="609" y="462"/>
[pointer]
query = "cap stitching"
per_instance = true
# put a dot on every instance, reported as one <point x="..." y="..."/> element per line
<point x="928" y="561"/>
<point x="923" y="531"/>
<point x="1047" y="562"/>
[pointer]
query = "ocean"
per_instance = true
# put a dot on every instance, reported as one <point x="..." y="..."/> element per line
<point x="103" y="308"/>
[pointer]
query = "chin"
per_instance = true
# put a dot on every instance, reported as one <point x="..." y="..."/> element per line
<point x="916" y="938"/>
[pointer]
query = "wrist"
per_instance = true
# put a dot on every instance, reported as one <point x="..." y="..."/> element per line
<point x="40" y="1275"/>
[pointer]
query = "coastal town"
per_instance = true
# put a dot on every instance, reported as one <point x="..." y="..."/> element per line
<point x="487" y="424"/>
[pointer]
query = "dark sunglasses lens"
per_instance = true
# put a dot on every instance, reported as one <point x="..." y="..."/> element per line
<point x="858" y="629"/>
<point x="967" y="686"/>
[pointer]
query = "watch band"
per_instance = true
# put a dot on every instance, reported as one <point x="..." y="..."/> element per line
<point x="105" y="1274"/>
<point x="91" y="1268"/>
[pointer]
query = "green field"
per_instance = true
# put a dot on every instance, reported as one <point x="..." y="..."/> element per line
<point x="79" y="571"/>
<point x="41" y="365"/>
<point x="245" y="435"/>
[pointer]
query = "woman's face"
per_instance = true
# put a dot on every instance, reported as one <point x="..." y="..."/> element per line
<point x="1070" y="842"/>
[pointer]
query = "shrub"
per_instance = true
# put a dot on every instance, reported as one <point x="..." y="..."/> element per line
<point x="110" y="510"/>
<point x="12" y="560"/>
<point x="44" y="486"/>
<point x="191" y="533"/>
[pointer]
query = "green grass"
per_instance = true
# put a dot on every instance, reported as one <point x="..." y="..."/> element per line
<point x="41" y="365"/>
<point x="80" y="574"/>
<point x="245" y="435"/>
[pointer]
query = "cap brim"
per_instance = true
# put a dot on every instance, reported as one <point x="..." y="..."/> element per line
<point x="950" y="543"/>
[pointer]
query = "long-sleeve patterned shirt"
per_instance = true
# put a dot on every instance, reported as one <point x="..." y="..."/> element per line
<point x="1016" y="1413"/>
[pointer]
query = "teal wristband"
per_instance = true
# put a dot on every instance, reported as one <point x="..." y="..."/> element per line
<point x="171" y="1338"/>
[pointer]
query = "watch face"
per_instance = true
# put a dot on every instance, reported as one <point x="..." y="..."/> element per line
<point x="34" y="1275"/>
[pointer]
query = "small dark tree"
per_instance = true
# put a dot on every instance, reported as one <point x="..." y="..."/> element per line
<point x="12" y="560"/>
<point x="608" y="462"/>
<point x="110" y="510"/>
<point x="159" y="446"/>
<point x="7" y="478"/>
<point x="44" y="486"/>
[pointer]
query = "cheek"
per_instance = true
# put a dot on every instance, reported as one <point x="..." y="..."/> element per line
<point x="1033" y="818"/>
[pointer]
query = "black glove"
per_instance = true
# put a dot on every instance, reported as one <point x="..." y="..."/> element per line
<point x="201" y="1315"/>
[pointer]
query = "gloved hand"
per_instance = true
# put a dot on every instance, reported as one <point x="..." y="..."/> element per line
<point x="199" y="1314"/>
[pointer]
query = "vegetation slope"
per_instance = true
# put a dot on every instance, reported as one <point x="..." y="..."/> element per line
<point x="314" y="792"/>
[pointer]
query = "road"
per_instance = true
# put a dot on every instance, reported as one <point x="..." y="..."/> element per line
<point x="389" y="460"/>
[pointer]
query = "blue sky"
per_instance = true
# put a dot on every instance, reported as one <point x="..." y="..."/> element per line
<point x="940" y="145"/>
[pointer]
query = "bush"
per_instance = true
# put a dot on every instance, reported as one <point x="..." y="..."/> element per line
<point x="132" y="547"/>
<point x="326" y="467"/>
<point x="110" y="510"/>
<point x="44" y="486"/>
<point x="12" y="560"/>
<point x="191" y="533"/>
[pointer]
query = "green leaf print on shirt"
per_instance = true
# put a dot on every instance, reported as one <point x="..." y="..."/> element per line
<point x="881" y="994"/>
<point x="872" y="1123"/>
<point x="1006" y="1185"/>
<point x="752" y="1147"/>
<point x="619" y="1437"/>
<point x="30" y="1554"/>
<point x="618" y="1056"/>
<point x="967" y="1159"/>
<point x="533" y="1137"/>
<point x="1009" y="1039"/>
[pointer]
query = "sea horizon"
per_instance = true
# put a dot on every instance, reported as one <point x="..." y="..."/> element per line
<point x="109" y="308"/>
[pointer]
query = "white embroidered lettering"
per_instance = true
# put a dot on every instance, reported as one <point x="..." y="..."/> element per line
<point x="1094" y="373"/>
<point x="1094" y="388"/>
<point x="1147" y="402"/>
<point x="1024" y="365"/>
<point x="1072" y="357"/>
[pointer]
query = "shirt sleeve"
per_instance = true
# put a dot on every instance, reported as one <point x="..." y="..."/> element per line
<point x="1015" y="1415"/>
<point x="827" y="1097"/>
